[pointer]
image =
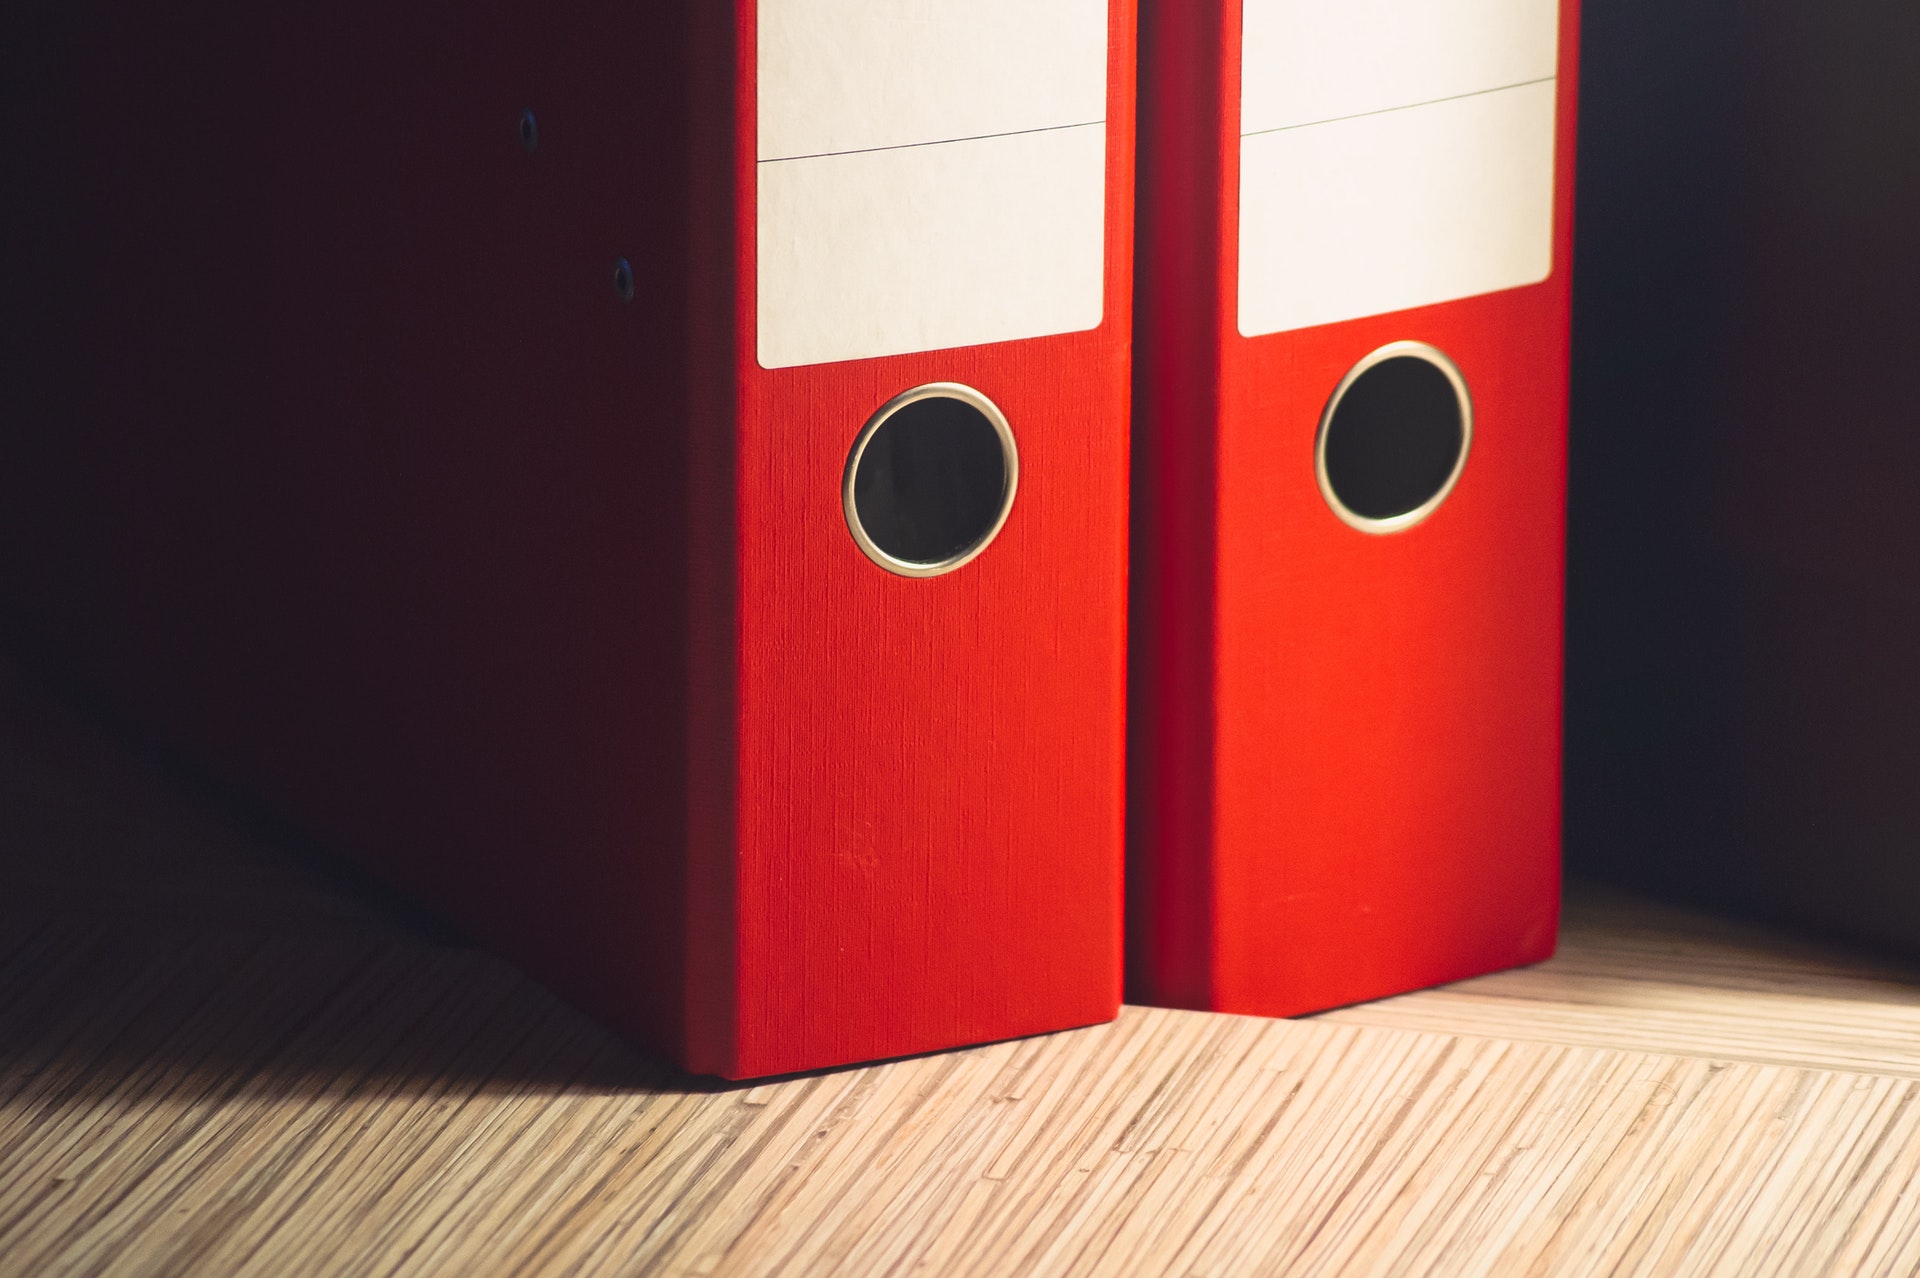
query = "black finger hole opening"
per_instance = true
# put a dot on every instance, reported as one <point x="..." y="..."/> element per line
<point x="1395" y="438"/>
<point x="931" y="484"/>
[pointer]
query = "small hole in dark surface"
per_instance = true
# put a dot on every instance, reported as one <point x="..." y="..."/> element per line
<point x="932" y="481"/>
<point x="1395" y="438"/>
<point x="529" y="130"/>
<point x="623" y="280"/>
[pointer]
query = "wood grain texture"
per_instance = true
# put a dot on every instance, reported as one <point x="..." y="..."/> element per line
<point x="218" y="1055"/>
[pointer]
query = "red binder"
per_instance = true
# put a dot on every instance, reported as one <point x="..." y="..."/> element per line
<point x="1353" y="306"/>
<point x="650" y="482"/>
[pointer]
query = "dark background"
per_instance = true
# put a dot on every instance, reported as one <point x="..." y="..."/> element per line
<point x="1742" y="691"/>
<point x="1743" y="685"/>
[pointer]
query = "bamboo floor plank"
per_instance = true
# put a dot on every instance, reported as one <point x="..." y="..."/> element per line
<point x="219" y="1056"/>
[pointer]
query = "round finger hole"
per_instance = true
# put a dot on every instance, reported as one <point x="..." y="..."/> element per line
<point x="1394" y="438"/>
<point x="930" y="480"/>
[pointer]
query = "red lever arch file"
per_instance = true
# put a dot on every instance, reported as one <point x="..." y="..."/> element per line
<point x="651" y="482"/>
<point x="1352" y="369"/>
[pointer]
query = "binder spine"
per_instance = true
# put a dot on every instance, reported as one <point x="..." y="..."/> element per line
<point x="922" y="837"/>
<point x="1344" y="756"/>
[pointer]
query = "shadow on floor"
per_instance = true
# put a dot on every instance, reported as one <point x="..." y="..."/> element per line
<point x="158" y="935"/>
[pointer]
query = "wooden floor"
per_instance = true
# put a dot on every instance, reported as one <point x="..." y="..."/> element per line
<point x="218" y="1056"/>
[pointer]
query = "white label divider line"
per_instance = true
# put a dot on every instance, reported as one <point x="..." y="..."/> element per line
<point x="930" y="174"/>
<point x="1409" y="106"/>
<point x="1396" y="209"/>
<point x="929" y="247"/>
<point x="905" y="146"/>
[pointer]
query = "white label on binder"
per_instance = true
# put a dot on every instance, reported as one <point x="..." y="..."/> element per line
<point x="931" y="174"/>
<point x="1393" y="153"/>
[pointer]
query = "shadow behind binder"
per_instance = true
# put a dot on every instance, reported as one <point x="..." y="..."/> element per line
<point x="1742" y="690"/>
<point x="409" y="446"/>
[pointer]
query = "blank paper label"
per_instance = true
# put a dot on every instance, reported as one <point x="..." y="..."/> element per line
<point x="1393" y="153"/>
<point x="930" y="174"/>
